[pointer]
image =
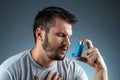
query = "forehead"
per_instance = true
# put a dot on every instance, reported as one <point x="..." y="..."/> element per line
<point x="62" y="26"/>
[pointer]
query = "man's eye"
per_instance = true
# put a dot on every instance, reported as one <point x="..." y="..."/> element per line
<point x="60" y="34"/>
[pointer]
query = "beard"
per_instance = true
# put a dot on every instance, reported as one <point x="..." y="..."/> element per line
<point x="53" y="52"/>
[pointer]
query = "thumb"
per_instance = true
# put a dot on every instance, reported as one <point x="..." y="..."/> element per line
<point x="83" y="59"/>
<point x="88" y="42"/>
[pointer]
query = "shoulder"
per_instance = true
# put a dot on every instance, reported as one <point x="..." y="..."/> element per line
<point x="14" y="59"/>
<point x="15" y="66"/>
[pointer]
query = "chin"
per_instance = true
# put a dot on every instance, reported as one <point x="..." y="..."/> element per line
<point x="57" y="57"/>
<point x="60" y="58"/>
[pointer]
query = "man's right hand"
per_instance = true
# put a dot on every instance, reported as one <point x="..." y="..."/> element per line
<point x="49" y="76"/>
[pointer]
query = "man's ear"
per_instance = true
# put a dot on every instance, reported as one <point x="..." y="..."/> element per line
<point x="39" y="34"/>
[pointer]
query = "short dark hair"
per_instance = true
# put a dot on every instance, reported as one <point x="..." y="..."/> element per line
<point x="45" y="18"/>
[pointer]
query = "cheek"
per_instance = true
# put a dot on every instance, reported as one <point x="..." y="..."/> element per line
<point x="56" y="41"/>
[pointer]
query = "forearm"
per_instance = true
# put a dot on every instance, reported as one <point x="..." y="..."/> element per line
<point x="101" y="74"/>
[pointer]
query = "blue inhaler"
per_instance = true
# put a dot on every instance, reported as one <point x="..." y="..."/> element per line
<point x="79" y="49"/>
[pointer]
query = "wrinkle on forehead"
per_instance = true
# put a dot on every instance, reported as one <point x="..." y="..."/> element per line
<point x="62" y="26"/>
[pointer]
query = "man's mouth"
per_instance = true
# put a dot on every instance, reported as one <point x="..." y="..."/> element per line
<point x="64" y="50"/>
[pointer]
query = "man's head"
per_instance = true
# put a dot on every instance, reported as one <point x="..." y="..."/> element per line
<point x="45" y="19"/>
<point x="52" y="30"/>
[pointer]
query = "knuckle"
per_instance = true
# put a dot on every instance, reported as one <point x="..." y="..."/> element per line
<point x="96" y="49"/>
<point x="90" y="41"/>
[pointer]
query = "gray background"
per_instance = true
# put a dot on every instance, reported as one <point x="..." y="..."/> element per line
<point x="98" y="21"/>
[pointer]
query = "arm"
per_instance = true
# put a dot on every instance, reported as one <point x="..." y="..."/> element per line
<point x="94" y="58"/>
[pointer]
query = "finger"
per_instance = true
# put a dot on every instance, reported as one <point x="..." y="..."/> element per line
<point x="55" y="76"/>
<point x="92" y="57"/>
<point x="93" y="54"/>
<point x="48" y="77"/>
<point x="88" y="55"/>
<point x="89" y="51"/>
<point x="88" y="42"/>
<point x="59" y="78"/>
<point x="83" y="59"/>
<point x="36" y="78"/>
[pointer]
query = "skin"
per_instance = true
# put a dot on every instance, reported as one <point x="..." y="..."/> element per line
<point x="58" y="40"/>
<point x="94" y="59"/>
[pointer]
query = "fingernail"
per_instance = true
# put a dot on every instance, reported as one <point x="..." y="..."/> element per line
<point x="58" y="73"/>
<point x="60" y="78"/>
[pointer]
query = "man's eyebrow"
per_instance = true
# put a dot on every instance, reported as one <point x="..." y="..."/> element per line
<point x="61" y="33"/>
<point x="66" y="34"/>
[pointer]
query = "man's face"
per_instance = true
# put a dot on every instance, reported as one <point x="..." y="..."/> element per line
<point x="57" y="41"/>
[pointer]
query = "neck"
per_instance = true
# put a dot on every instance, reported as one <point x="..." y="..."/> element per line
<point x="41" y="58"/>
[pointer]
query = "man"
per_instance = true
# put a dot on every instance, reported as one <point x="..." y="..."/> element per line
<point x="46" y="61"/>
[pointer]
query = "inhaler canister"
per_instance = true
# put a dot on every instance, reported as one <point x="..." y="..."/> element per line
<point x="78" y="50"/>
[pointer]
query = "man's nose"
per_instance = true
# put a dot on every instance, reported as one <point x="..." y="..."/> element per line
<point x="66" y="41"/>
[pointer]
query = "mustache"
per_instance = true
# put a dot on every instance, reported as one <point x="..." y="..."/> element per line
<point x="63" y="47"/>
